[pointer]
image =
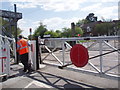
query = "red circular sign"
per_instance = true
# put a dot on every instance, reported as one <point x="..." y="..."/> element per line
<point x="79" y="55"/>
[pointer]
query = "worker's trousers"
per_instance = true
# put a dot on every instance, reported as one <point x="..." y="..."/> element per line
<point x="24" y="61"/>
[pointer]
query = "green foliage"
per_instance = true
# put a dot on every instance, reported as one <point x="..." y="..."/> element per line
<point x="117" y="28"/>
<point x="52" y="34"/>
<point x="58" y="32"/>
<point x="81" y="22"/>
<point x="19" y="31"/>
<point x="118" y="24"/>
<point x="40" y="30"/>
<point x="67" y="32"/>
<point x="5" y="23"/>
<point x="103" y="29"/>
<point x="78" y="30"/>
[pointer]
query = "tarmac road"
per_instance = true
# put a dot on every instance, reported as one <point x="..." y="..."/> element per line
<point x="53" y="77"/>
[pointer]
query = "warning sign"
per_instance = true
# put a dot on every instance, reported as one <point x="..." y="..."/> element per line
<point x="79" y="55"/>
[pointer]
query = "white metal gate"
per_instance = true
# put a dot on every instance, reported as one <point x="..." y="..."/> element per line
<point x="98" y="64"/>
<point x="5" y="46"/>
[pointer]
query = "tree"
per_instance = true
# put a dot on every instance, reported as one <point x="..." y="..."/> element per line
<point x="40" y="30"/>
<point x="58" y="32"/>
<point x="103" y="29"/>
<point x="6" y="30"/>
<point x="79" y="31"/>
<point x="52" y="34"/>
<point x="81" y="22"/>
<point x="67" y="32"/>
<point x="91" y="18"/>
<point x="19" y="31"/>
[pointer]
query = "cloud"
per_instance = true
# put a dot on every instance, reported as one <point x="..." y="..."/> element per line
<point x="59" y="23"/>
<point x="103" y="1"/>
<point x="61" y="5"/>
<point x="99" y="9"/>
<point x="108" y="12"/>
<point x="55" y="23"/>
<point x="61" y="0"/>
<point x="21" y="22"/>
<point x="56" y="5"/>
<point x="25" y="25"/>
<point x="28" y="5"/>
<point x="93" y="7"/>
<point x="21" y="25"/>
<point x="109" y="0"/>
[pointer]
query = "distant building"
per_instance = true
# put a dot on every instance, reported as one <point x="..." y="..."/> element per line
<point x="89" y="28"/>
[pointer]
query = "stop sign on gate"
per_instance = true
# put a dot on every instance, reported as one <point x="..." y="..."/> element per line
<point x="79" y="55"/>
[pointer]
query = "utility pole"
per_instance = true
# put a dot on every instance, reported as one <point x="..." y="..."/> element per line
<point x="15" y="10"/>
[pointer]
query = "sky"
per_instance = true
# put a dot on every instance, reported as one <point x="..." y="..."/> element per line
<point x="57" y="14"/>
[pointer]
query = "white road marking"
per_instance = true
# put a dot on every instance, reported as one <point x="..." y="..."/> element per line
<point x="40" y="84"/>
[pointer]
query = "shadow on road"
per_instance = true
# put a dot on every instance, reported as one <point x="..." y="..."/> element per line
<point x="59" y="82"/>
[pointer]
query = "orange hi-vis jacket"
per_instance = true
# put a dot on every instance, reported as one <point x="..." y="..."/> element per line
<point x="22" y="46"/>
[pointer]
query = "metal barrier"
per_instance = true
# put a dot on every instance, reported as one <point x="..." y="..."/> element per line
<point x="96" y="66"/>
<point x="5" y="56"/>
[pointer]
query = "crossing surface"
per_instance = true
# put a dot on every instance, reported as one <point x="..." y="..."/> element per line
<point x="53" y="77"/>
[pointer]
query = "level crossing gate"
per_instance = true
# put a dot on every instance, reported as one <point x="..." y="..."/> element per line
<point x="96" y="62"/>
<point x="7" y="53"/>
<point x="8" y="56"/>
<point x="97" y="66"/>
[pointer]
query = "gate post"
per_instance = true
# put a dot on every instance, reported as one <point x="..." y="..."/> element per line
<point x="37" y="53"/>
